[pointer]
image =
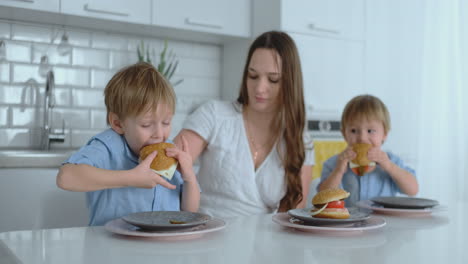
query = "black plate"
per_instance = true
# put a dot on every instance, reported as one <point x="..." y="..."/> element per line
<point x="404" y="202"/>
<point x="355" y="215"/>
<point x="166" y="220"/>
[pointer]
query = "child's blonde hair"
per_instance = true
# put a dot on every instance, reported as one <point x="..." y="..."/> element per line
<point x="366" y="107"/>
<point x="137" y="89"/>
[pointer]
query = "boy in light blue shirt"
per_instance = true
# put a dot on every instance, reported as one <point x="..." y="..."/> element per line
<point x="365" y="119"/>
<point x="140" y="105"/>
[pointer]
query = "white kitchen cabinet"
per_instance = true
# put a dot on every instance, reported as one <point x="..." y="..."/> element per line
<point x="330" y="38"/>
<point x="332" y="72"/>
<point x="214" y="16"/>
<point x="41" y="5"/>
<point x="136" y="11"/>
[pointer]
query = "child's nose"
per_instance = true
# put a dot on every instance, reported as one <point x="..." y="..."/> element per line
<point x="158" y="132"/>
<point x="362" y="137"/>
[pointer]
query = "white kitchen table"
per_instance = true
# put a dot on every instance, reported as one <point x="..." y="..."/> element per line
<point x="438" y="238"/>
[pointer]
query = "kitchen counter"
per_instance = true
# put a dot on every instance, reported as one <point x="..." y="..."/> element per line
<point x="23" y="158"/>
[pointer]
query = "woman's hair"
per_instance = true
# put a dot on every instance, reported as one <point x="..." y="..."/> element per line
<point x="291" y="110"/>
<point x="137" y="89"/>
<point x="365" y="107"/>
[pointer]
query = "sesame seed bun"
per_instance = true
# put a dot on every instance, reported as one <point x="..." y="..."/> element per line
<point x="162" y="164"/>
<point x="361" y="150"/>
<point x="329" y="195"/>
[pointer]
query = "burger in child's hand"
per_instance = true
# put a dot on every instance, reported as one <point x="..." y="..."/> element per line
<point x="162" y="164"/>
<point x="361" y="164"/>
<point x="329" y="203"/>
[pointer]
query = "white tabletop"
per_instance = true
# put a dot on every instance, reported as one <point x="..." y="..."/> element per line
<point x="439" y="238"/>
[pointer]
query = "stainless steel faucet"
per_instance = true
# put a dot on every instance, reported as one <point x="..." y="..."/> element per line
<point x="49" y="102"/>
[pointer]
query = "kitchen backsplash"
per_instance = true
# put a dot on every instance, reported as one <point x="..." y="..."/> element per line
<point x="81" y="76"/>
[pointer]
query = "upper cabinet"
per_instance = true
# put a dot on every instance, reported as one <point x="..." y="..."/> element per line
<point x="136" y="11"/>
<point x="41" y="5"/>
<point x="330" y="38"/>
<point x="214" y="16"/>
<point x="330" y="18"/>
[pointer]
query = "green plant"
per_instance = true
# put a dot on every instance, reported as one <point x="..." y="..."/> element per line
<point x="168" y="62"/>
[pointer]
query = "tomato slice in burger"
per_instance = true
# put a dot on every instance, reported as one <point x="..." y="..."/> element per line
<point x="336" y="204"/>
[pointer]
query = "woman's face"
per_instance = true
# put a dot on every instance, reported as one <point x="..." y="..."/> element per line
<point x="263" y="80"/>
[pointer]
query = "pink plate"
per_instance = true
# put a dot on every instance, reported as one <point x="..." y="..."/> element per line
<point x="373" y="222"/>
<point x="394" y="211"/>
<point x="121" y="227"/>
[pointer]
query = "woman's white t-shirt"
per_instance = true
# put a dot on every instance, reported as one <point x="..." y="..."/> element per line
<point x="230" y="184"/>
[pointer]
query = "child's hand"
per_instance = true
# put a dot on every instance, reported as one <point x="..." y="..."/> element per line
<point x="185" y="160"/>
<point x="145" y="177"/>
<point x="344" y="157"/>
<point x="379" y="156"/>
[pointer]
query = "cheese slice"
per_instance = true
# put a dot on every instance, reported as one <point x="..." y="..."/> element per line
<point x="169" y="172"/>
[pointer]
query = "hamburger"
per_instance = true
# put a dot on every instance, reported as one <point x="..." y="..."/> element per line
<point x="329" y="203"/>
<point x="361" y="164"/>
<point x="162" y="164"/>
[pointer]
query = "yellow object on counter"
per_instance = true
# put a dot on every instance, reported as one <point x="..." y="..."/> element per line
<point x="325" y="149"/>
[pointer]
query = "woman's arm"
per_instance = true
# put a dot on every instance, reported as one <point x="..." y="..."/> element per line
<point x="85" y="178"/>
<point x="306" y="179"/>
<point x="196" y="144"/>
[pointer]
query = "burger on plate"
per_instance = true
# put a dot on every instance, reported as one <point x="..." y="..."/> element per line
<point x="329" y="203"/>
<point x="162" y="164"/>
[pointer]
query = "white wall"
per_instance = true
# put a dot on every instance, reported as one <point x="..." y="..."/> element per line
<point x="81" y="77"/>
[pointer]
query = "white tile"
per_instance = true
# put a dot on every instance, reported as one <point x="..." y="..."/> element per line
<point x="74" y="118"/>
<point x="206" y="51"/>
<point x="18" y="51"/>
<point x="153" y="43"/>
<point x="31" y="33"/>
<point x="39" y="50"/>
<point x="120" y="59"/>
<point x="75" y="37"/>
<point x="24" y="72"/>
<point x="3" y="116"/>
<point x="181" y="49"/>
<point x="177" y="122"/>
<point x="4" y="72"/>
<point x="98" y="119"/>
<point x="26" y="117"/>
<point x="71" y="76"/>
<point x="19" y="94"/>
<point x="109" y="41"/>
<point x="100" y="78"/>
<point x="199" y="68"/>
<point x="90" y="58"/>
<point x="205" y="87"/>
<point x="81" y="137"/>
<point x="88" y="98"/>
<point x="14" y="137"/>
<point x="4" y="30"/>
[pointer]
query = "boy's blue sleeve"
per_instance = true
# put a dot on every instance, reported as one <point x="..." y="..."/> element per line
<point x="95" y="154"/>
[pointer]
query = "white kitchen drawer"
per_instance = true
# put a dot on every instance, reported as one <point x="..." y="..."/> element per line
<point x="136" y="11"/>
<point x="214" y="16"/>
<point x="42" y="5"/>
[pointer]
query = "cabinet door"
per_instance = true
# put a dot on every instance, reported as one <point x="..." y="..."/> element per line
<point x="136" y="11"/>
<point x="216" y="16"/>
<point x="332" y="69"/>
<point x="331" y="18"/>
<point x="42" y="5"/>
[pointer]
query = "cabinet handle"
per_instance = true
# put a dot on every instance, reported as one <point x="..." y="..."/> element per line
<point x="107" y="12"/>
<point x="27" y="1"/>
<point x="326" y="30"/>
<point x="190" y="21"/>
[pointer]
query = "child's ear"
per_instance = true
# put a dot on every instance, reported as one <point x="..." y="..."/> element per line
<point x="115" y="123"/>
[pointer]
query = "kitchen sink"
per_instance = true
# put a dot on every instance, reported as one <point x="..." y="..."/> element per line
<point x="25" y="158"/>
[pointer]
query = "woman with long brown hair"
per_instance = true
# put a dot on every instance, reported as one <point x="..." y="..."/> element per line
<point x="254" y="154"/>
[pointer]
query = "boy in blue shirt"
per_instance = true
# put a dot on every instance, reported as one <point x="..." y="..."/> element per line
<point x="140" y="105"/>
<point x="365" y="119"/>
